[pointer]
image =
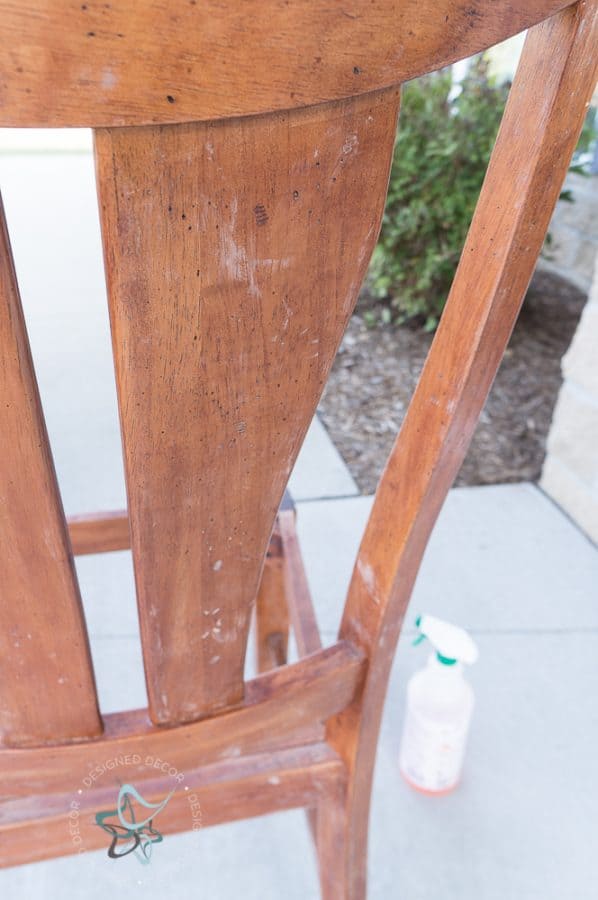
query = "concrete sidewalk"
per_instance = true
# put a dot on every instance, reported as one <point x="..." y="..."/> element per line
<point x="503" y="561"/>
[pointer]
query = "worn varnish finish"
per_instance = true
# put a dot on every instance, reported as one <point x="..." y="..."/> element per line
<point x="228" y="298"/>
<point x="299" y="602"/>
<point x="47" y="691"/>
<point x="271" y="610"/>
<point x="278" y="707"/>
<point x="234" y="250"/>
<point x="542" y="121"/>
<point x="99" y="533"/>
<point x="108" y="531"/>
<point x="132" y="63"/>
<point x="221" y="792"/>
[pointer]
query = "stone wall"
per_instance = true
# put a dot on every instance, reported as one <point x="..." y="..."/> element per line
<point x="574" y="232"/>
<point x="570" y="474"/>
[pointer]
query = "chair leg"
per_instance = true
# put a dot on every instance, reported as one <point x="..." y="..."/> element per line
<point x="272" y="618"/>
<point x="341" y="842"/>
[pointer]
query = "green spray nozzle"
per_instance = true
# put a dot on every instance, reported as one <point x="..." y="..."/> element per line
<point x="452" y="644"/>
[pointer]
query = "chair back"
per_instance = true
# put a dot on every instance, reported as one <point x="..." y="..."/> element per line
<point x="242" y="156"/>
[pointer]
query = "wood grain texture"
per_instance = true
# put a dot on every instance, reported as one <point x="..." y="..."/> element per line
<point x="222" y="792"/>
<point x="234" y="255"/>
<point x="271" y="616"/>
<point x="298" y="596"/>
<point x="329" y="828"/>
<point x="234" y="252"/>
<point x="99" y="532"/>
<point x="279" y="706"/>
<point x="104" y="532"/>
<point x="47" y="691"/>
<point x="132" y="63"/>
<point x="541" y="124"/>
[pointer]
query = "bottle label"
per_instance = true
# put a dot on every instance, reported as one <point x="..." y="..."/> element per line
<point x="432" y="753"/>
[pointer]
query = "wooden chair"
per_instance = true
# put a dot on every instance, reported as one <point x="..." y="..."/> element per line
<point x="243" y="153"/>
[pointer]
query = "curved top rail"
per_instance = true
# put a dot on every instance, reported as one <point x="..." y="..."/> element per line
<point x="90" y="64"/>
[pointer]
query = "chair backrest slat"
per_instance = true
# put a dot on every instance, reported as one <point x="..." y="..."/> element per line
<point x="132" y="63"/>
<point x="47" y="691"/>
<point x="234" y="254"/>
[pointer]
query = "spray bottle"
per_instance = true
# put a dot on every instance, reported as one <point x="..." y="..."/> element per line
<point x="439" y="707"/>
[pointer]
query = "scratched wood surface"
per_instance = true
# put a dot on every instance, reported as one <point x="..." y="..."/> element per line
<point x="298" y="596"/>
<point x="234" y="254"/>
<point x="271" y="610"/>
<point x="99" y="532"/>
<point x="234" y="251"/>
<point x="47" y="691"/>
<point x="222" y="792"/>
<point x="132" y="63"/>
<point x="278" y="707"/>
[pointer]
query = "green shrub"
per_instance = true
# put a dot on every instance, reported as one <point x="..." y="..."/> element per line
<point x="440" y="158"/>
<point x="439" y="162"/>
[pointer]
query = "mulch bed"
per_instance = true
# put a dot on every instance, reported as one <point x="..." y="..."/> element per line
<point x="376" y="370"/>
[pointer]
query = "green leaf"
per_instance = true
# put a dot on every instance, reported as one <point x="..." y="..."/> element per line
<point x="439" y="162"/>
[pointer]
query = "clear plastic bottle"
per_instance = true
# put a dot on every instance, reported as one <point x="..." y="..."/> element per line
<point x="439" y="707"/>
